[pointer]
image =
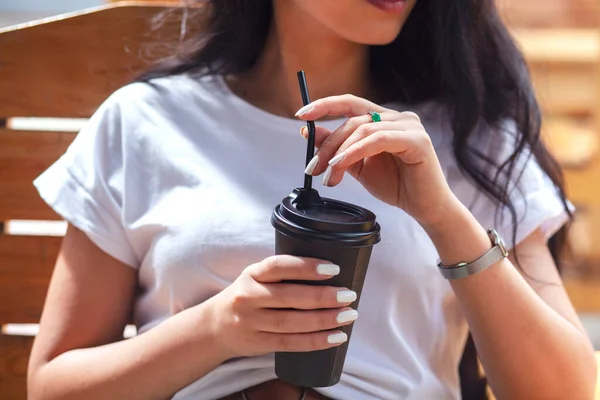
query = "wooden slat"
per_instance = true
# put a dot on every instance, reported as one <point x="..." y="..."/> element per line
<point x="563" y="88"/>
<point x="26" y="264"/>
<point x="24" y="156"/>
<point x="596" y="105"/>
<point x="14" y="355"/>
<point x="583" y="244"/>
<point x="573" y="46"/>
<point x="550" y="13"/>
<point x="583" y="186"/>
<point x="66" y="66"/>
<point x="573" y="141"/>
<point x="585" y="295"/>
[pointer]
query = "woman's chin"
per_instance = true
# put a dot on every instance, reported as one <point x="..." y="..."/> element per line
<point x="376" y="39"/>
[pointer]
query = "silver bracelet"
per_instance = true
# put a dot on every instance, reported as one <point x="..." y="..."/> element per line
<point x="464" y="269"/>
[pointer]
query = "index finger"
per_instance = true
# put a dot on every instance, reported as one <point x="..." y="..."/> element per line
<point x="347" y="105"/>
<point x="283" y="267"/>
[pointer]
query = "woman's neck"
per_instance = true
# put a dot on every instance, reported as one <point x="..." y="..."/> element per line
<point x="333" y="65"/>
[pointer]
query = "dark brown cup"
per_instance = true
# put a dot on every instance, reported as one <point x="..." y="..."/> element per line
<point x="308" y="226"/>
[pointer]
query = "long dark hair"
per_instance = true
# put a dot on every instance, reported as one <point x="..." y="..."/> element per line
<point x="456" y="52"/>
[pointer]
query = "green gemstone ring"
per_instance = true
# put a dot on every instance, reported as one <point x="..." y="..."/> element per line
<point x="375" y="116"/>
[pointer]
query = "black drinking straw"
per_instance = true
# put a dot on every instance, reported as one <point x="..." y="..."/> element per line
<point x="310" y="147"/>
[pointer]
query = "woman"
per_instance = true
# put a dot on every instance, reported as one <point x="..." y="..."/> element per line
<point x="169" y="190"/>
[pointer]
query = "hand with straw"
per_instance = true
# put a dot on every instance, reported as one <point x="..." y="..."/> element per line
<point x="387" y="151"/>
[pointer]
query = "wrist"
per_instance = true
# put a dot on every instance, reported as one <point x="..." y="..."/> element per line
<point x="455" y="215"/>
<point x="458" y="236"/>
<point x="206" y="320"/>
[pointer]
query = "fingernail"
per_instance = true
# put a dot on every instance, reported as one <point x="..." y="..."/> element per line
<point x="328" y="269"/>
<point x="312" y="165"/>
<point x="339" y="337"/>
<point x="304" y="110"/>
<point x="337" y="158"/>
<point x="327" y="176"/>
<point x="347" y="316"/>
<point x="302" y="132"/>
<point x="346" y="296"/>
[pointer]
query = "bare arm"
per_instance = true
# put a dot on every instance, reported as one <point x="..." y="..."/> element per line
<point x="79" y="352"/>
<point x="528" y="336"/>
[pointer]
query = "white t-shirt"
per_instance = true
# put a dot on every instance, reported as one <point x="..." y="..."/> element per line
<point x="178" y="180"/>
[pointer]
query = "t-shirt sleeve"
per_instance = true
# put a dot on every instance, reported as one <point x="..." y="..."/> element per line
<point x="86" y="185"/>
<point x="536" y="200"/>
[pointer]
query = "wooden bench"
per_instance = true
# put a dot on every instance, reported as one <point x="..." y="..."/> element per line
<point x="62" y="67"/>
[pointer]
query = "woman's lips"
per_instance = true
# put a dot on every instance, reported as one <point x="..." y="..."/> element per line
<point x="392" y="6"/>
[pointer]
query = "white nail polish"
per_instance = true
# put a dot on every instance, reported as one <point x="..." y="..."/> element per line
<point x="347" y="316"/>
<point x="336" y="338"/>
<point x="304" y="110"/>
<point x="346" y="296"/>
<point x="328" y="269"/>
<point x="337" y="158"/>
<point x="312" y="165"/>
<point x="327" y="176"/>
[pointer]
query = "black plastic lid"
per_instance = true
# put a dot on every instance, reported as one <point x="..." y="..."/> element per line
<point x="305" y="214"/>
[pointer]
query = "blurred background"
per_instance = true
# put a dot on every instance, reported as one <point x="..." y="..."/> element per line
<point x="561" y="42"/>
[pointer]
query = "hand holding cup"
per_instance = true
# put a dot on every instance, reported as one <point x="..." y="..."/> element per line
<point x="259" y="313"/>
